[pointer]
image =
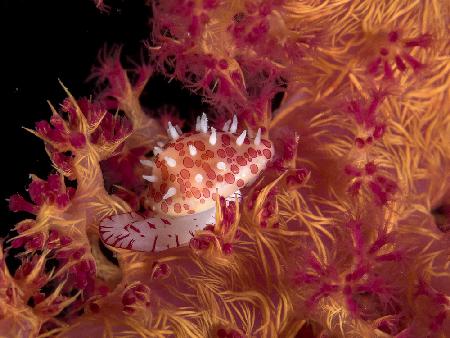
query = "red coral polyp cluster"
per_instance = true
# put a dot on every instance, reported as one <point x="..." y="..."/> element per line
<point x="134" y="296"/>
<point x="395" y="50"/>
<point x="41" y="192"/>
<point x="105" y="127"/>
<point x="366" y="291"/>
<point x="381" y="187"/>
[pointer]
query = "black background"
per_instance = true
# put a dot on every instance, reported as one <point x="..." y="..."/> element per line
<point x="43" y="41"/>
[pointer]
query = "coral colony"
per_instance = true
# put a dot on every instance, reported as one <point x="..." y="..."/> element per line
<point x="311" y="199"/>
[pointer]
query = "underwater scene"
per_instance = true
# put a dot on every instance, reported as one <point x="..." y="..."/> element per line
<point x="299" y="186"/>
